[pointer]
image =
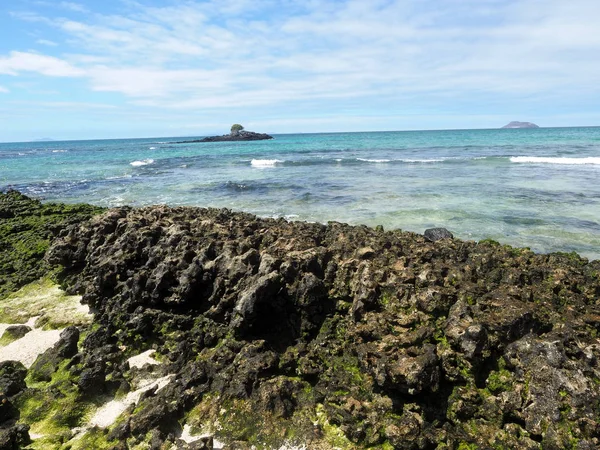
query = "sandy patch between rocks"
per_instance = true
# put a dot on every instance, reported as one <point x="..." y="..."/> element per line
<point x="107" y="414"/>
<point x="142" y="359"/>
<point x="30" y="346"/>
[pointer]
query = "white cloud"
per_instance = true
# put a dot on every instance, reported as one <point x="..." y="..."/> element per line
<point x="18" y="62"/>
<point x="4" y="90"/>
<point x="243" y="53"/>
<point x="76" y="7"/>
<point x="71" y="106"/>
<point x="46" y="42"/>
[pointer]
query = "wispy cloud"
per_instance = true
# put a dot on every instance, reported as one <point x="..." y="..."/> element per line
<point x="46" y="42"/>
<point x="395" y="56"/>
<point x="3" y="90"/>
<point x="18" y="62"/>
<point x="71" y="6"/>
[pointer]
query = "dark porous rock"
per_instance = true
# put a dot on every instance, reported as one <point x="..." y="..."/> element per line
<point x="276" y="330"/>
<point x="15" y="332"/>
<point x="12" y="377"/>
<point x="47" y="363"/>
<point x="92" y="381"/>
<point x="7" y="409"/>
<point x="14" y="437"/>
<point x="201" y="443"/>
<point x="435" y="234"/>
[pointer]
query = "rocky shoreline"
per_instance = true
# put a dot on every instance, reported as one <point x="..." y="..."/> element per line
<point x="270" y="333"/>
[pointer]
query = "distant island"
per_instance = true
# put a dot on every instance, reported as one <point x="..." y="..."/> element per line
<point x="237" y="133"/>
<point x="516" y="124"/>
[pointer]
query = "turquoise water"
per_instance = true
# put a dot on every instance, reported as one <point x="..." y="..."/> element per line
<point x="527" y="187"/>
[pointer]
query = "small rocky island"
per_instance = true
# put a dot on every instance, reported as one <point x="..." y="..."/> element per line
<point x="516" y="124"/>
<point x="237" y="134"/>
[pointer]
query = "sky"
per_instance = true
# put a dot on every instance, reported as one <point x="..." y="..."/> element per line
<point x="150" y="68"/>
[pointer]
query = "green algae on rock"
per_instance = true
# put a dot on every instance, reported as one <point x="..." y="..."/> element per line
<point x="334" y="335"/>
<point x="272" y="333"/>
<point x="26" y="228"/>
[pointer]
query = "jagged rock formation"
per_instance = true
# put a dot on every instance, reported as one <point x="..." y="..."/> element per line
<point x="333" y="335"/>
<point x="516" y="124"/>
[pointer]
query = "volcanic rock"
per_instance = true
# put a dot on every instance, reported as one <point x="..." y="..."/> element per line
<point x="331" y="335"/>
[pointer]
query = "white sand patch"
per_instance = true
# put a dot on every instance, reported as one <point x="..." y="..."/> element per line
<point x="31" y="322"/>
<point x="30" y="346"/>
<point x="110" y="412"/>
<point x="142" y="359"/>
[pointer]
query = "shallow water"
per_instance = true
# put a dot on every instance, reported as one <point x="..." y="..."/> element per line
<point x="527" y="187"/>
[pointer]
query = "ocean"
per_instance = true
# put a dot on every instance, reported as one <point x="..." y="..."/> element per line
<point x="536" y="188"/>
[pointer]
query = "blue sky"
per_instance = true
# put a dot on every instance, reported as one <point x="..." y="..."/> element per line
<point x="149" y="68"/>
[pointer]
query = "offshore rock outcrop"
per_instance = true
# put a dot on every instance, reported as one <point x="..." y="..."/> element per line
<point x="517" y="124"/>
<point x="233" y="137"/>
<point x="329" y="335"/>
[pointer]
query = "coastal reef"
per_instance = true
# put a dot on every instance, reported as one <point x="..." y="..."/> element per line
<point x="219" y="329"/>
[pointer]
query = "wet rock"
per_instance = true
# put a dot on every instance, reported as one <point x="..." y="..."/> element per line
<point x="435" y="234"/>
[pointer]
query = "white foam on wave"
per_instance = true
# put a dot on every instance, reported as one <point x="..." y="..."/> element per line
<point x="422" y="160"/>
<point x="555" y="160"/>
<point x="373" y="160"/>
<point x="151" y="148"/>
<point x="144" y="162"/>
<point x="265" y="162"/>
<point x="59" y="151"/>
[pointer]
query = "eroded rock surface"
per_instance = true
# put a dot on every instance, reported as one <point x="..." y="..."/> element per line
<point x="348" y="333"/>
<point x="273" y="333"/>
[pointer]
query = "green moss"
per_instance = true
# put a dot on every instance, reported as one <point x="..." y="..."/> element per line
<point x="94" y="439"/>
<point x="26" y="230"/>
<point x="489" y="242"/>
<point x="467" y="446"/>
<point x="499" y="381"/>
<point x="7" y="338"/>
<point x="45" y="299"/>
<point x="52" y="409"/>
<point x="331" y="433"/>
